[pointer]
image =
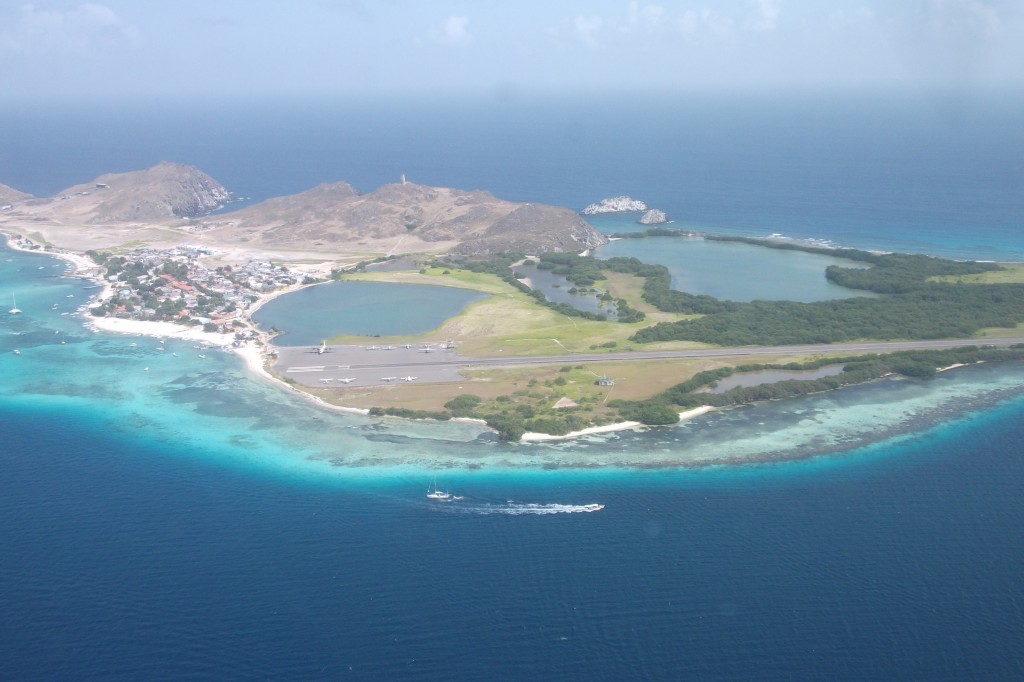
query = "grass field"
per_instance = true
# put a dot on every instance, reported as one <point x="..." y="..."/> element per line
<point x="511" y="322"/>
<point x="1010" y="273"/>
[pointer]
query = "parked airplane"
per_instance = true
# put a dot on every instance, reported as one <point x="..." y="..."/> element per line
<point x="426" y="349"/>
<point x="388" y="380"/>
<point x="409" y="378"/>
<point x="347" y="380"/>
<point x="407" y="346"/>
<point x="373" y="348"/>
<point x="388" y="348"/>
<point x="322" y="348"/>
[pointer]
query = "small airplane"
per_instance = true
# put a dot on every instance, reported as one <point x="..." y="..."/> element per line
<point x="326" y="381"/>
<point x="347" y="380"/>
<point x="387" y="347"/>
<point x="373" y="348"/>
<point x="409" y="378"/>
<point x="426" y="349"/>
<point x="388" y="380"/>
<point x="407" y="346"/>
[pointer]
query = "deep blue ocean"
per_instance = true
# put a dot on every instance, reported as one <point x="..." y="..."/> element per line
<point x="170" y="517"/>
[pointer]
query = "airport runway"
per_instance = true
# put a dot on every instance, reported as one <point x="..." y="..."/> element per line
<point x="378" y="365"/>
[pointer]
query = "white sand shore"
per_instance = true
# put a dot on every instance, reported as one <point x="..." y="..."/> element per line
<point x="695" y="412"/>
<point x="533" y="437"/>
<point x="251" y="353"/>
<point x="83" y="264"/>
<point x="959" y="364"/>
<point x="160" y="330"/>
<point x="530" y="436"/>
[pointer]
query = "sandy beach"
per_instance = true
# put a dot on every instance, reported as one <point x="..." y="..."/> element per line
<point x="609" y="428"/>
<point x="250" y="352"/>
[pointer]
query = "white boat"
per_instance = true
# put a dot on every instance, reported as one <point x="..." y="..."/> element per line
<point x="15" y="310"/>
<point x="434" y="494"/>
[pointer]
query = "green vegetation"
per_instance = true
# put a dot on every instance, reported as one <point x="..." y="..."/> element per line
<point x="912" y="303"/>
<point x="532" y="408"/>
<point x="406" y="413"/>
<point x="857" y="369"/>
<point x="914" y="297"/>
<point x="582" y="271"/>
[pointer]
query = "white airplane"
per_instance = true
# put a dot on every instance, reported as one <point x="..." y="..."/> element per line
<point x="322" y="348"/>
<point x="426" y="349"/>
<point x="326" y="381"/>
<point x="347" y="380"/>
<point x="373" y="348"/>
<point x="388" y="380"/>
<point x="407" y="346"/>
<point x="409" y="378"/>
<point x="388" y="348"/>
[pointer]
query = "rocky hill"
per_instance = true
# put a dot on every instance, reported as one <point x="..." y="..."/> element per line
<point x="9" y="195"/>
<point x="406" y="217"/>
<point x="330" y="219"/>
<point x="653" y="217"/>
<point x="164" y="192"/>
<point x="621" y="204"/>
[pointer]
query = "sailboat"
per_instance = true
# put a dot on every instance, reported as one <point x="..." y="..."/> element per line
<point x="434" y="494"/>
<point x="15" y="310"/>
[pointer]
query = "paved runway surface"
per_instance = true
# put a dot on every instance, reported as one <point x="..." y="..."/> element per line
<point x="376" y="365"/>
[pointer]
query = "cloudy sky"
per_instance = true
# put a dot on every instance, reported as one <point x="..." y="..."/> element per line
<point x="129" y="48"/>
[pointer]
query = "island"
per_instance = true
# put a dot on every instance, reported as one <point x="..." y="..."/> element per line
<point x="528" y="366"/>
<point x="654" y="216"/>
<point x="620" y="204"/>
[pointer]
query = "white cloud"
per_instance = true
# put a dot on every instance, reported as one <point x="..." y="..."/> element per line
<point x="83" y="29"/>
<point x="587" y="29"/>
<point x="452" y="31"/>
<point x="648" y="18"/>
<point x="696" y="25"/>
<point x="764" y="15"/>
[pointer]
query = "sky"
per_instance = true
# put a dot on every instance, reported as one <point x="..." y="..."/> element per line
<point x="116" y="49"/>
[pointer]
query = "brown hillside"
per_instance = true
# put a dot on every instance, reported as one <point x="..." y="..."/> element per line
<point x="416" y="217"/>
<point x="166" y="191"/>
<point x="9" y="195"/>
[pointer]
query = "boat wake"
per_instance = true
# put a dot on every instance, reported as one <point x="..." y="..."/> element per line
<point x="512" y="508"/>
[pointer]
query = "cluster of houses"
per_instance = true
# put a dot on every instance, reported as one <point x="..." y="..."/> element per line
<point x="172" y="285"/>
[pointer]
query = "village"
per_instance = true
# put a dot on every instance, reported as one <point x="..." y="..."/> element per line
<point x="171" y="285"/>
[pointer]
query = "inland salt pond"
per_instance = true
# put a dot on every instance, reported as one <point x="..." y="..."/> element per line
<point x="558" y="289"/>
<point x="733" y="271"/>
<point x="319" y="312"/>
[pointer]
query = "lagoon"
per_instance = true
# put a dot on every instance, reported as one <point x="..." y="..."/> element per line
<point x="737" y="272"/>
<point x="323" y="311"/>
